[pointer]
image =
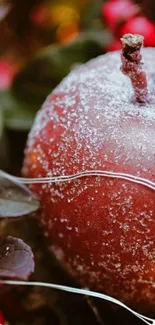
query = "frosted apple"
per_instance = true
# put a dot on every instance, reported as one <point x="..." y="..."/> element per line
<point x="101" y="117"/>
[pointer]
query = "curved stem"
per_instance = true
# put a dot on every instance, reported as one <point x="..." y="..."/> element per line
<point x="132" y="65"/>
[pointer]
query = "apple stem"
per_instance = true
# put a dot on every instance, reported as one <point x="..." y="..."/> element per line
<point x="132" y="65"/>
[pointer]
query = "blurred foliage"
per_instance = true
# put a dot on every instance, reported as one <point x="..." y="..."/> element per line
<point x="42" y="73"/>
<point x="3" y="144"/>
<point x="48" y="67"/>
<point x="33" y="24"/>
<point x="43" y="40"/>
<point x="17" y="114"/>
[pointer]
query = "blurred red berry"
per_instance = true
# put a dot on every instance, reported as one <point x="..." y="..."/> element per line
<point x="115" y="12"/>
<point x="114" y="45"/>
<point x="40" y="16"/>
<point x="1" y="319"/>
<point x="140" y="25"/>
<point x="7" y="72"/>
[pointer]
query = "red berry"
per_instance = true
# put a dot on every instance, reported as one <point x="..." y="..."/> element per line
<point x="7" y="72"/>
<point x="140" y="25"/>
<point x="1" y="319"/>
<point x="40" y="16"/>
<point x="115" y="12"/>
<point x="101" y="229"/>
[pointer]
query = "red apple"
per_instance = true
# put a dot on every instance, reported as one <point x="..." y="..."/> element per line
<point x="100" y="229"/>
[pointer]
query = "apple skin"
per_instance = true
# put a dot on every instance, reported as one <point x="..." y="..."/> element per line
<point x="102" y="230"/>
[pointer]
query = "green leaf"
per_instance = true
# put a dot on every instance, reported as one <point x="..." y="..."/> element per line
<point x="18" y="115"/>
<point x="3" y="143"/>
<point x="16" y="200"/>
<point x="52" y="64"/>
<point x="91" y="15"/>
<point x="16" y="259"/>
<point x="1" y="124"/>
